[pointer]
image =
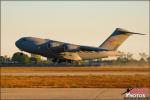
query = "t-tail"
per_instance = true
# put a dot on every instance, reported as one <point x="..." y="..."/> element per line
<point x="116" y="39"/>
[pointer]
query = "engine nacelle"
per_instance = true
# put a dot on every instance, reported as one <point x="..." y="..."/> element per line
<point x="68" y="47"/>
<point x="52" y="45"/>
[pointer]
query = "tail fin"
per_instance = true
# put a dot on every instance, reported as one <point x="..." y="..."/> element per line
<point x="116" y="39"/>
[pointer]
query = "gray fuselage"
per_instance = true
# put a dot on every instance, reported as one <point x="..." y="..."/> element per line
<point x="55" y="49"/>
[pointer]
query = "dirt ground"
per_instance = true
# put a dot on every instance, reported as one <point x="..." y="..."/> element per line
<point x="74" y="69"/>
<point x="88" y="81"/>
<point x="102" y="81"/>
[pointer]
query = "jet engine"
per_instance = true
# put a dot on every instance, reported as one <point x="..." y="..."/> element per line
<point x="52" y="44"/>
<point x="68" y="47"/>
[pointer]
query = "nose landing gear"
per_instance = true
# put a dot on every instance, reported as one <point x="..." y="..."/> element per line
<point x="21" y="53"/>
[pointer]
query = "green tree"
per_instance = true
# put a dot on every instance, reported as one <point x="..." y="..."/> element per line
<point x="143" y="57"/>
<point x="125" y="58"/>
<point x="7" y="59"/>
<point x="148" y="60"/>
<point x="2" y="59"/>
<point x="20" y="58"/>
<point x="35" y="59"/>
<point x="122" y="57"/>
<point x="129" y="56"/>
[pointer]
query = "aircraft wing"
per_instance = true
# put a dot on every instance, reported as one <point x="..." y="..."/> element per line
<point x="88" y="48"/>
<point x="73" y="55"/>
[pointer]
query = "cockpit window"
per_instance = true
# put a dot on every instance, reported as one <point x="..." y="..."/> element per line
<point x="24" y="39"/>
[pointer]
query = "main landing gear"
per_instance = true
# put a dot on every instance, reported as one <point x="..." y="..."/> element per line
<point x="59" y="61"/>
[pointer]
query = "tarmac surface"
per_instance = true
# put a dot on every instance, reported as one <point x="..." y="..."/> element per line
<point x="74" y="73"/>
<point x="63" y="93"/>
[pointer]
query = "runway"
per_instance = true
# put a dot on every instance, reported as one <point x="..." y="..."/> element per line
<point x="103" y="93"/>
<point x="73" y="73"/>
<point x="63" y="93"/>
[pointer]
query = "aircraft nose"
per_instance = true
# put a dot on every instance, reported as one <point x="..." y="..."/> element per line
<point x="18" y="43"/>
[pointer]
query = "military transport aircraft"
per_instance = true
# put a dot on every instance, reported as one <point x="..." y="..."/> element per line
<point x="66" y="52"/>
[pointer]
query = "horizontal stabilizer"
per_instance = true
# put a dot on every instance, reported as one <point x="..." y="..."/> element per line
<point x="137" y="33"/>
